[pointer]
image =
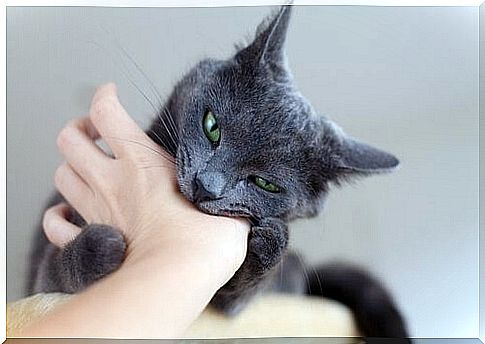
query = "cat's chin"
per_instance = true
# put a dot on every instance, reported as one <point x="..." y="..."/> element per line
<point x="212" y="209"/>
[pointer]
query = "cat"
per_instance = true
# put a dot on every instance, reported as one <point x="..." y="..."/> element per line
<point x="246" y="143"/>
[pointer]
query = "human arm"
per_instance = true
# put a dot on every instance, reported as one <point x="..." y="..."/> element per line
<point x="177" y="257"/>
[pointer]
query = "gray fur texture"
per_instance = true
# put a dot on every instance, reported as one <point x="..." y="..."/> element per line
<point x="268" y="130"/>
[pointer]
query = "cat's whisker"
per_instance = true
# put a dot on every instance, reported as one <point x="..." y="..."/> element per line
<point x="154" y="166"/>
<point x="173" y="142"/>
<point x="251" y="221"/>
<point x="171" y="121"/>
<point x="142" y="93"/>
<point x="157" y="105"/>
<point x="315" y="272"/>
<point x="125" y="71"/>
<point x="170" y="128"/>
<point x="281" y="270"/>
<point x="172" y="133"/>
<point x="303" y="266"/>
<point x="147" y="161"/>
<point x="137" y="66"/>
<point x="161" y="153"/>
<point x="125" y="53"/>
<point x="170" y="148"/>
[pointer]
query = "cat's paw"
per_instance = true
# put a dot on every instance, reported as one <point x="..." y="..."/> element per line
<point x="266" y="245"/>
<point x="267" y="242"/>
<point x="103" y="249"/>
<point x="96" y="252"/>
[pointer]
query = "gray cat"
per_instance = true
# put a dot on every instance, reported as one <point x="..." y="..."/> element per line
<point x="246" y="143"/>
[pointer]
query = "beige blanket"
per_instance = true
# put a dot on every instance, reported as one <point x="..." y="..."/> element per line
<point x="272" y="315"/>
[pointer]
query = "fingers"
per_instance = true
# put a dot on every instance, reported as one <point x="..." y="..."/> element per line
<point x="74" y="190"/>
<point x="76" y="143"/>
<point x="57" y="228"/>
<point x="97" y="185"/>
<point x="115" y="125"/>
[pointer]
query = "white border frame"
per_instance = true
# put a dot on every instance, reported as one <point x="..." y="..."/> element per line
<point x="189" y="3"/>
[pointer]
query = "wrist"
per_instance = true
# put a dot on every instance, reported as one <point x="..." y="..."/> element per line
<point x="214" y="249"/>
<point x="196" y="267"/>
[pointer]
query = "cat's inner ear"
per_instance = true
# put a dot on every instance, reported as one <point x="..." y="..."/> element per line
<point x="268" y="46"/>
<point x="360" y="157"/>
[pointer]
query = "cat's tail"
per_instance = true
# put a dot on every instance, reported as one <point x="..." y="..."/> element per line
<point x="374" y="310"/>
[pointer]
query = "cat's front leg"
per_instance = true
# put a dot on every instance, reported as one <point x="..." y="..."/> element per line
<point x="96" y="252"/>
<point x="266" y="244"/>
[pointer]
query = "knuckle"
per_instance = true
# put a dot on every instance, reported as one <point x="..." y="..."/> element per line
<point x="65" y="135"/>
<point x="111" y="192"/>
<point x="59" y="176"/>
<point x="100" y="186"/>
<point x="46" y="218"/>
<point x="101" y="178"/>
<point x="101" y="107"/>
<point x="62" y="137"/>
<point x="72" y="123"/>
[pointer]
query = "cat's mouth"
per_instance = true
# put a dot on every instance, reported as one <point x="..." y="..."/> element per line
<point x="211" y="207"/>
<point x="214" y="206"/>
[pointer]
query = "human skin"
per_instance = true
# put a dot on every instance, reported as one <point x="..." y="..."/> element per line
<point x="177" y="257"/>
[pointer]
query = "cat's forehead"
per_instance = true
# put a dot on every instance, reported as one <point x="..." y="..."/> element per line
<point x="257" y="105"/>
<point x="256" y="114"/>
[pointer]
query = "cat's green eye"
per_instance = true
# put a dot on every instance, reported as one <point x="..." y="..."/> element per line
<point x="266" y="185"/>
<point x="211" y="129"/>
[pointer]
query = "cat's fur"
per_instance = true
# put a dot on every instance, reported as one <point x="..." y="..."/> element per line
<point x="268" y="129"/>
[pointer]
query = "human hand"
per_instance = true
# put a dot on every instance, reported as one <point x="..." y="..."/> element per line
<point x="136" y="192"/>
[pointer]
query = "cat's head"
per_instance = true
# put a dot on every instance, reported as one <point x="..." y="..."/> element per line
<point x="250" y="144"/>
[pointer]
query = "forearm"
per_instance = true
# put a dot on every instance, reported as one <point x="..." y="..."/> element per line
<point x="156" y="297"/>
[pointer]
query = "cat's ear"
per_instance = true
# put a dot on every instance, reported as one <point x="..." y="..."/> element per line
<point x="359" y="157"/>
<point x="267" y="48"/>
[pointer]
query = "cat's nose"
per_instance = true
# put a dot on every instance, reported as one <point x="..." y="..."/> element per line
<point x="209" y="186"/>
